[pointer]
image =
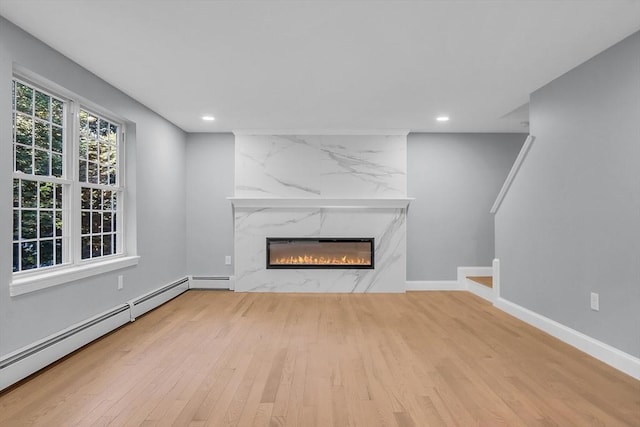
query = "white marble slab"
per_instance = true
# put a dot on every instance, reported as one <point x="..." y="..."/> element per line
<point x="320" y="186"/>
<point x="359" y="166"/>
<point x="277" y="166"/>
<point x="253" y="226"/>
<point x="321" y="166"/>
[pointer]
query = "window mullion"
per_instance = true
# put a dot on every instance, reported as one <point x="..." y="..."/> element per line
<point x="121" y="232"/>
<point x="41" y="178"/>
<point x="72" y="169"/>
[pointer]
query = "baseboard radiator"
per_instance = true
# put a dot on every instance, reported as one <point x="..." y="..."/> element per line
<point x="153" y="299"/>
<point x="27" y="360"/>
<point x="212" y="282"/>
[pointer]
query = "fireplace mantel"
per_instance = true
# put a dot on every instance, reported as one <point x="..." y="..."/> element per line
<point x="318" y="202"/>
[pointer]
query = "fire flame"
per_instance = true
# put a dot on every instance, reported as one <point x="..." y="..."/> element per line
<point x="315" y="260"/>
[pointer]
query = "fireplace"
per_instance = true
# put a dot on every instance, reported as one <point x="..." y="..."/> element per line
<point x="320" y="253"/>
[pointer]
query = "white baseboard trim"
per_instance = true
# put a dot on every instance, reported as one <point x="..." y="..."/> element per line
<point x="618" y="359"/>
<point x="38" y="355"/>
<point x="482" y="291"/>
<point x="496" y="277"/>
<point x="433" y="285"/>
<point x="212" y="282"/>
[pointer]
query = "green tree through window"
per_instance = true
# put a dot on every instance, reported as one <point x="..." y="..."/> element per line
<point x="38" y="149"/>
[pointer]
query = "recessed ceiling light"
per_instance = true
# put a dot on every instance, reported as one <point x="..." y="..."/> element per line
<point x="442" y="118"/>
<point x="208" y="118"/>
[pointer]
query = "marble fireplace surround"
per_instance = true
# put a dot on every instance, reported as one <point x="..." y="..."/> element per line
<point x="320" y="186"/>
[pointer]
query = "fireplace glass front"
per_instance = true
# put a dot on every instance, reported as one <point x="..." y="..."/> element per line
<point x="325" y="253"/>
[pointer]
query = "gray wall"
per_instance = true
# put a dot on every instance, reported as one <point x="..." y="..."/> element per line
<point x="155" y="174"/>
<point x="455" y="179"/>
<point x="210" y="174"/>
<point x="570" y="224"/>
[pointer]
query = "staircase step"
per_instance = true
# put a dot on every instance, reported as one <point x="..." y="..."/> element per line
<point x="483" y="280"/>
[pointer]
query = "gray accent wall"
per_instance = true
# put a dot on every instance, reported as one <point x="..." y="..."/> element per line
<point x="210" y="180"/>
<point x="570" y="224"/>
<point x="155" y="173"/>
<point x="455" y="179"/>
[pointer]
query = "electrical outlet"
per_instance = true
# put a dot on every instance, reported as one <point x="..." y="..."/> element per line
<point x="120" y="283"/>
<point x="595" y="301"/>
<point x="227" y="260"/>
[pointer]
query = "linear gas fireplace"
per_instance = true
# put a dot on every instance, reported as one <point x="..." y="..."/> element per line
<point x="324" y="253"/>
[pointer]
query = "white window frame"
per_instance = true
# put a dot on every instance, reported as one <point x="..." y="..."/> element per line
<point x="64" y="181"/>
<point x="77" y="186"/>
<point x="73" y="266"/>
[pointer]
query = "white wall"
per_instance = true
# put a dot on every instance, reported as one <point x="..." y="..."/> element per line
<point x="155" y="173"/>
<point x="455" y="179"/>
<point x="570" y="224"/>
<point x="209" y="181"/>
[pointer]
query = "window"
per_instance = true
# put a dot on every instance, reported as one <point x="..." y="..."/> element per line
<point x="99" y="191"/>
<point x="67" y="183"/>
<point x="39" y="238"/>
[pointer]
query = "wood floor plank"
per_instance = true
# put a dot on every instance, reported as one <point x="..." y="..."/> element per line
<point x="421" y="358"/>
<point x="483" y="280"/>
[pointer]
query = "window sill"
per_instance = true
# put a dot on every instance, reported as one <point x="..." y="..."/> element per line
<point x="25" y="285"/>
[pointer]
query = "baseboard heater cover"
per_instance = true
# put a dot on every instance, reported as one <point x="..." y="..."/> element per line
<point x="61" y="336"/>
<point x="24" y="362"/>
<point x="153" y="299"/>
<point x="212" y="282"/>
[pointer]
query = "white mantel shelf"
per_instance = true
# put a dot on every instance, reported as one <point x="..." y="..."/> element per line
<point x="318" y="202"/>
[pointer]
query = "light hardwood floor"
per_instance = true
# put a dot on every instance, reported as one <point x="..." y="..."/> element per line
<point x="483" y="280"/>
<point x="421" y="358"/>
